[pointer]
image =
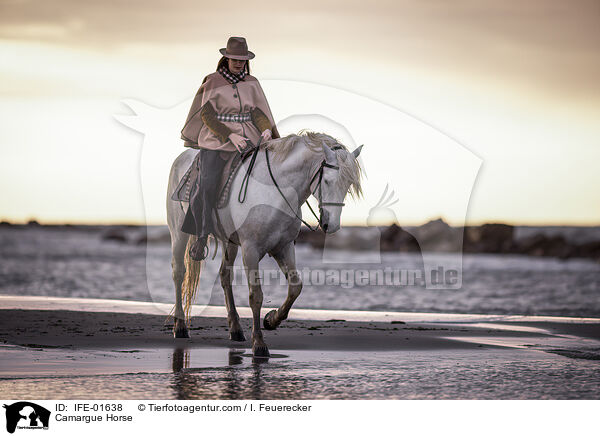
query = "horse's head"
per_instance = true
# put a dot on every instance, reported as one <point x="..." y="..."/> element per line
<point x="340" y="174"/>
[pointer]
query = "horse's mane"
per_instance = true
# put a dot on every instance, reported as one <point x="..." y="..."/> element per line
<point x="350" y="170"/>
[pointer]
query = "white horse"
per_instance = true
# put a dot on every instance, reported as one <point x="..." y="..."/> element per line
<point x="267" y="222"/>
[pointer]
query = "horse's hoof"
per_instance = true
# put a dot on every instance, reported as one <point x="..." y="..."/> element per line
<point x="260" y="351"/>
<point x="237" y="336"/>
<point x="181" y="334"/>
<point x="268" y="321"/>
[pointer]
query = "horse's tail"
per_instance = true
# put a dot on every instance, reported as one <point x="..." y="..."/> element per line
<point x="191" y="279"/>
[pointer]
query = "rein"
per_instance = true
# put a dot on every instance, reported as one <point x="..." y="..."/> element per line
<point x="244" y="187"/>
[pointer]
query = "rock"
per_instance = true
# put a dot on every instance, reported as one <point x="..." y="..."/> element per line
<point x="395" y="238"/>
<point x="541" y="245"/>
<point x="588" y="249"/>
<point x="315" y="239"/>
<point x="488" y="238"/>
<point x="437" y="235"/>
<point x="152" y="235"/>
<point x="354" y="238"/>
<point x="116" y="234"/>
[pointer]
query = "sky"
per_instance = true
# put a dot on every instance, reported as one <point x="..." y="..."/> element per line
<point x="473" y="111"/>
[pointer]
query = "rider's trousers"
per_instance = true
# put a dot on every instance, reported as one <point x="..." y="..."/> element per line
<point x="203" y="195"/>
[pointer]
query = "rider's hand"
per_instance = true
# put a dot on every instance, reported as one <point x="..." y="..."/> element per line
<point x="238" y="140"/>
<point x="266" y="135"/>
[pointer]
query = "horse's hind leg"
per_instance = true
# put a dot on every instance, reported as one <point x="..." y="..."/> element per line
<point x="178" y="245"/>
<point x="286" y="259"/>
<point x="235" y="330"/>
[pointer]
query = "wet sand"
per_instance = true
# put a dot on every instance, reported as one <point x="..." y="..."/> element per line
<point x="59" y="353"/>
<point x="96" y="330"/>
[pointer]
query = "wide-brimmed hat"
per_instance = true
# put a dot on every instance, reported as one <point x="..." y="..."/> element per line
<point x="237" y="49"/>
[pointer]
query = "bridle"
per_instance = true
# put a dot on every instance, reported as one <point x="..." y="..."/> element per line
<point x="318" y="187"/>
<point x="253" y="152"/>
<point x="317" y="176"/>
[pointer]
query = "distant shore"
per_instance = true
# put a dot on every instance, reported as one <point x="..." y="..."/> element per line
<point x="562" y="242"/>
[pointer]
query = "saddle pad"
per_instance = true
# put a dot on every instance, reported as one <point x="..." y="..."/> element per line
<point x="182" y="192"/>
<point x="233" y="164"/>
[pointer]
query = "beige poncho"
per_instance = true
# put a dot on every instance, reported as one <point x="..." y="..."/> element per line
<point x="226" y="99"/>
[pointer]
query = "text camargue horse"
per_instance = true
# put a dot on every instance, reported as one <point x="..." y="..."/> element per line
<point x="266" y="222"/>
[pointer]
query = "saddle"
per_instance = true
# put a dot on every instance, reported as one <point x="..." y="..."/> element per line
<point x="232" y="166"/>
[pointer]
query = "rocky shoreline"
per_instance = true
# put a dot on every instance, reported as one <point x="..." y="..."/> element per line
<point x="563" y="242"/>
<point x="438" y="236"/>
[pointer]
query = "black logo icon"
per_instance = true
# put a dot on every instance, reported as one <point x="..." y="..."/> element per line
<point x="26" y="415"/>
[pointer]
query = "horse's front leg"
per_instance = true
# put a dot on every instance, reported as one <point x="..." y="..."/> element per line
<point x="286" y="259"/>
<point x="235" y="329"/>
<point x="251" y="259"/>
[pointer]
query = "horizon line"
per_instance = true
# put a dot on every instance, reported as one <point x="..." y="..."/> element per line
<point x="137" y="223"/>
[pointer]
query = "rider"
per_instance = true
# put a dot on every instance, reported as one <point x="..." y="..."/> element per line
<point x="229" y="112"/>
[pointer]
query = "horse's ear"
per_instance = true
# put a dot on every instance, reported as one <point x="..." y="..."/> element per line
<point x="356" y="152"/>
<point x="329" y="154"/>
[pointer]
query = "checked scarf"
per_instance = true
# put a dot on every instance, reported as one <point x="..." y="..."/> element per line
<point x="229" y="76"/>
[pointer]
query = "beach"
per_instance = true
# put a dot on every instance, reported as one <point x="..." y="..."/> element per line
<point x="84" y="315"/>
<point x="57" y="348"/>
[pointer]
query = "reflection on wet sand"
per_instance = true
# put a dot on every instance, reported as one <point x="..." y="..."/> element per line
<point x="231" y="382"/>
<point x="222" y="373"/>
<point x="181" y="359"/>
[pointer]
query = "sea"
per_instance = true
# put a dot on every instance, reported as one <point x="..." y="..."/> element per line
<point x="85" y="262"/>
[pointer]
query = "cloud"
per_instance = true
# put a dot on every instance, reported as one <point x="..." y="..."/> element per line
<point x="547" y="46"/>
<point x="517" y="80"/>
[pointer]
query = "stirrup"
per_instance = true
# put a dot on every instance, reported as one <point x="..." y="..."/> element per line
<point x="194" y="249"/>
